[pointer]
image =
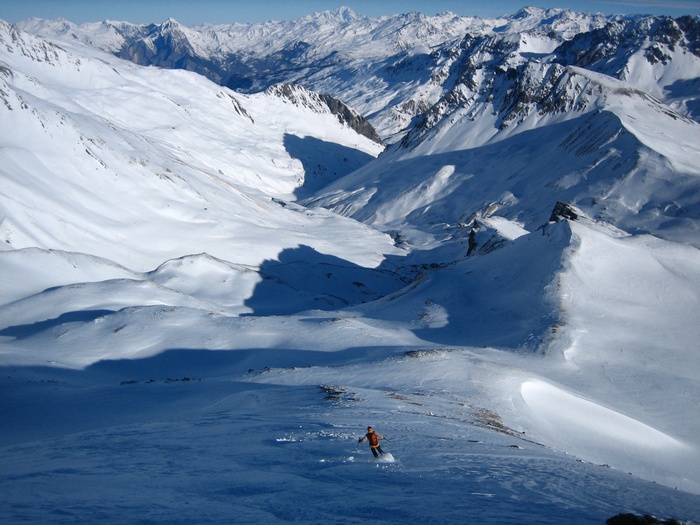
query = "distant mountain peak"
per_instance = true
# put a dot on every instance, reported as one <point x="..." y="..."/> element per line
<point x="346" y="14"/>
<point x="531" y="11"/>
<point x="170" y="23"/>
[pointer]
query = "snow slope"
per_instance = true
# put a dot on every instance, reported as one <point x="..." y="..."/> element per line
<point x="181" y="341"/>
<point x="200" y="162"/>
<point x="619" y="154"/>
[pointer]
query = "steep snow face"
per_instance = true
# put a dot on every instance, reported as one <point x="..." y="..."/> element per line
<point x="598" y="278"/>
<point x="301" y="96"/>
<point x="158" y="155"/>
<point x="641" y="291"/>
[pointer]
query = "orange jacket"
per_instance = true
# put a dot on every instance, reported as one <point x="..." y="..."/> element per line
<point x="373" y="439"/>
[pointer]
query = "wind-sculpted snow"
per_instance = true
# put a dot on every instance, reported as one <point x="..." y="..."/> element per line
<point x="572" y="420"/>
<point x="207" y="296"/>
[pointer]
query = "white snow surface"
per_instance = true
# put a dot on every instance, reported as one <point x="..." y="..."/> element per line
<point x="181" y="341"/>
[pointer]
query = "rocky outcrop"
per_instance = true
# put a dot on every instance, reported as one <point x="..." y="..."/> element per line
<point x="300" y="96"/>
<point x="564" y="211"/>
<point x="351" y="118"/>
<point x="636" y="519"/>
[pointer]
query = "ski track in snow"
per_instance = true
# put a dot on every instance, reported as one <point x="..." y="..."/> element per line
<point x="211" y="448"/>
<point x="209" y="350"/>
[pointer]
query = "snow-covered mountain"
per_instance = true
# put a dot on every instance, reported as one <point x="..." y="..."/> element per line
<point x="551" y="134"/>
<point x="232" y="284"/>
<point x="389" y="69"/>
<point x="392" y="69"/>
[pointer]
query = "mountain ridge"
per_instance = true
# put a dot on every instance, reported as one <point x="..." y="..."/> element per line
<point x="312" y="46"/>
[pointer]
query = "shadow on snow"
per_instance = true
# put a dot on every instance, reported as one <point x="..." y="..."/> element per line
<point x="323" y="162"/>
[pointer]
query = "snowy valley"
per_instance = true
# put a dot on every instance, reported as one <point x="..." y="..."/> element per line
<point x="212" y="281"/>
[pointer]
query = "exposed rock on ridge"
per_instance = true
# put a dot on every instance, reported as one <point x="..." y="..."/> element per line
<point x="301" y="96"/>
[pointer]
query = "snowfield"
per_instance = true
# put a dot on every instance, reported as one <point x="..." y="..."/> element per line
<point x="206" y="297"/>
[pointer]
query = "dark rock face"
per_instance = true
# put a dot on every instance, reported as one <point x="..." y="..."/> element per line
<point x="606" y="49"/>
<point x="635" y="519"/>
<point x="563" y="211"/>
<point x="483" y="70"/>
<point x="353" y="119"/>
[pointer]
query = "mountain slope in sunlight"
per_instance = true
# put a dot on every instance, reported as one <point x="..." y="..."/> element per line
<point x="148" y="165"/>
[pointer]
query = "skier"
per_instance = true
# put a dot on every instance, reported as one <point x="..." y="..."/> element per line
<point x="373" y="439"/>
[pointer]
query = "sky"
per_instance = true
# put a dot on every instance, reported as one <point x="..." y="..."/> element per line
<point x="190" y="13"/>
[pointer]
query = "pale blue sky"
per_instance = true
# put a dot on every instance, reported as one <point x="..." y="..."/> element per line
<point x="192" y="12"/>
